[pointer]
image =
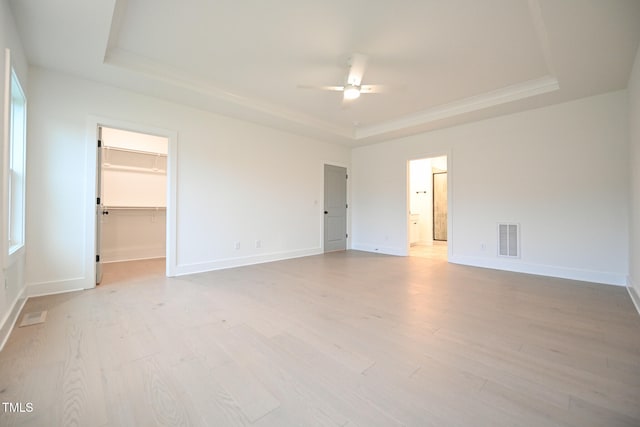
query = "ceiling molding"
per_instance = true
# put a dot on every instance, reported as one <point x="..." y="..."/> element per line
<point x="119" y="10"/>
<point x="135" y="63"/>
<point x="179" y="84"/>
<point x="132" y="62"/>
<point x="151" y="69"/>
<point x="490" y="99"/>
<point x="543" y="36"/>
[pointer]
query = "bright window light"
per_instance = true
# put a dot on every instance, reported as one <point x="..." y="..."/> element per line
<point x="16" y="166"/>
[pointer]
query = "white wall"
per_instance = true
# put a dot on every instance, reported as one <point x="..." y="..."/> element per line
<point x="12" y="282"/>
<point x="560" y="171"/>
<point x="133" y="188"/>
<point x="133" y="234"/>
<point x="634" y="193"/>
<point x="236" y="182"/>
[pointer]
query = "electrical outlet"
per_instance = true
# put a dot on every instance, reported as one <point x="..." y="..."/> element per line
<point x="483" y="246"/>
<point x="258" y="244"/>
<point x="237" y="245"/>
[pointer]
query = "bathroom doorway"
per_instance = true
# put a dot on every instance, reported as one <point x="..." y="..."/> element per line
<point x="428" y="213"/>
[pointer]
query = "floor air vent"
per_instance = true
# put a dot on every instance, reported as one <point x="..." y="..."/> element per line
<point x="33" y="318"/>
<point x="509" y="240"/>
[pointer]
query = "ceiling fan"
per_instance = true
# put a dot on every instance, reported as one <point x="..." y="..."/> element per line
<point x="353" y="86"/>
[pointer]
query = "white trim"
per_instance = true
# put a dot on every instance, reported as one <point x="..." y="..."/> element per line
<point x="132" y="254"/>
<point x="387" y="250"/>
<point x="467" y="105"/>
<point x="4" y="191"/>
<point x="32" y="291"/>
<point x="56" y="287"/>
<point x="160" y="72"/>
<point x="172" y="204"/>
<point x="635" y="298"/>
<point x="90" y="190"/>
<point x="542" y="34"/>
<point x="133" y="259"/>
<point x="13" y="257"/>
<point x="253" y="109"/>
<point x="15" y="250"/>
<point x="10" y="319"/>
<point x="593" y="276"/>
<point x="184" y="269"/>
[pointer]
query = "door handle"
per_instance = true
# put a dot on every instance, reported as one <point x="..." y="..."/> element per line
<point x="326" y="212"/>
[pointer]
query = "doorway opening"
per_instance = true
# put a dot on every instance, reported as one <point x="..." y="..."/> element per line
<point x="428" y="212"/>
<point x="131" y="223"/>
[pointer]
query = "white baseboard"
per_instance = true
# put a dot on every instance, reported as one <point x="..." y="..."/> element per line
<point x="387" y="250"/>
<point x="31" y="291"/>
<point x="131" y="254"/>
<point x="542" y="270"/>
<point x="11" y="318"/>
<point x="58" y="287"/>
<point x="633" y="293"/>
<point x="183" y="269"/>
<point x="135" y="259"/>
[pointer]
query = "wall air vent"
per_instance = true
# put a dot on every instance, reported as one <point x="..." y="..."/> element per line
<point x="509" y="240"/>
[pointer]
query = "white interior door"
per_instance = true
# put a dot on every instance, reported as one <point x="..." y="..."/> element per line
<point x="335" y="208"/>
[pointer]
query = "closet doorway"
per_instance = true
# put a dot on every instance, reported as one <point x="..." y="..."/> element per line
<point x="428" y="208"/>
<point x="132" y="204"/>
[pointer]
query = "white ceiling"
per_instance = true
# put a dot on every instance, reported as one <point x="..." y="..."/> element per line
<point x="447" y="62"/>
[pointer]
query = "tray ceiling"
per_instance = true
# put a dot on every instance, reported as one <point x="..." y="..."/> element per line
<point x="444" y="62"/>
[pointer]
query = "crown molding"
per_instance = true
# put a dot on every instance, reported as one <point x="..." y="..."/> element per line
<point x="138" y="64"/>
<point x="159" y="72"/>
<point x="273" y="113"/>
<point x="467" y="105"/>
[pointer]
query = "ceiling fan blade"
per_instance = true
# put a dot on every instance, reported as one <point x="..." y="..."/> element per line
<point x="374" y="89"/>
<point x="332" y="88"/>
<point x="357" y="63"/>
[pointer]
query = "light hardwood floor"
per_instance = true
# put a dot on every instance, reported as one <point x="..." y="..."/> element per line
<point x="435" y="250"/>
<point x="343" y="339"/>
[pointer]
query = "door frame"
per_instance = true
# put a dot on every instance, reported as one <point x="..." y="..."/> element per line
<point x="450" y="229"/>
<point x="93" y="123"/>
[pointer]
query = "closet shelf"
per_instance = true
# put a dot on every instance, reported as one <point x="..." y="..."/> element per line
<point x="133" y="168"/>
<point x="131" y="160"/>
<point x="129" y="150"/>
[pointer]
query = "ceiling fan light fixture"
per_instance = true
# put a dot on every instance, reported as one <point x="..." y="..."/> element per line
<point x="351" y="92"/>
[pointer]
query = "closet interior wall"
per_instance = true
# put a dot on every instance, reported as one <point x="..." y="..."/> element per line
<point x="134" y="182"/>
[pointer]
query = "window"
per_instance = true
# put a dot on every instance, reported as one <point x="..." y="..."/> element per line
<point x="16" y="166"/>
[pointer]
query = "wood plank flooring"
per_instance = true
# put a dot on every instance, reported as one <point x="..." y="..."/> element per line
<point x="433" y="250"/>
<point x="343" y="339"/>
